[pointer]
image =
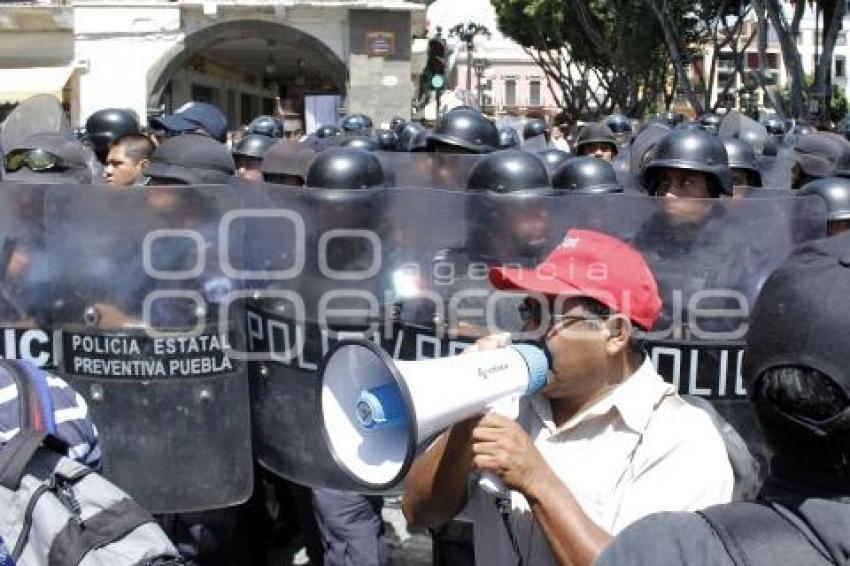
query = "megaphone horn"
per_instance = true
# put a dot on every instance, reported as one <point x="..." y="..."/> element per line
<point x="376" y="411"/>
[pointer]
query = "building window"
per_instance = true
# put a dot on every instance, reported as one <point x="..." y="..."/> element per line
<point x="726" y="60"/>
<point x="510" y="92"/>
<point x="534" y="93"/>
<point x="726" y="78"/>
<point x="840" y="67"/>
<point x="269" y="106"/>
<point x="841" y="39"/>
<point x="752" y="60"/>
<point x="772" y="61"/>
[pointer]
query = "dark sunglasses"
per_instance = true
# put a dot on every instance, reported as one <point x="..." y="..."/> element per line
<point x="35" y="159"/>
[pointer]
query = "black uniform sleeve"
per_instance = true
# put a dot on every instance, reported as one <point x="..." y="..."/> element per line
<point x="666" y="539"/>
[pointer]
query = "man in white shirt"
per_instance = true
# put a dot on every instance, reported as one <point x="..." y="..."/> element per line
<point x="605" y="443"/>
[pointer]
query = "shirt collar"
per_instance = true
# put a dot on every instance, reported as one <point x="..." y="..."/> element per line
<point x="635" y="399"/>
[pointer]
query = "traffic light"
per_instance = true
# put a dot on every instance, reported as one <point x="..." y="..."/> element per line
<point x="436" y="65"/>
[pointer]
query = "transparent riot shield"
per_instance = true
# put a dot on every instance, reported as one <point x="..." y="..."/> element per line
<point x="643" y="147"/>
<point x="737" y="125"/>
<point x="24" y="276"/>
<point x="776" y="170"/>
<point x="140" y="280"/>
<point x="415" y="281"/>
<point x="433" y="170"/>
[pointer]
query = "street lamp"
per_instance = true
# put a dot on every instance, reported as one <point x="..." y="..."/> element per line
<point x="467" y="33"/>
<point x="480" y="66"/>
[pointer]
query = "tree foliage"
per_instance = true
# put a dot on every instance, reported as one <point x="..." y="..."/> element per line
<point x="600" y="55"/>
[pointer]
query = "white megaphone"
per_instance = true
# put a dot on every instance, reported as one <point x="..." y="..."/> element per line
<point x="377" y="411"/>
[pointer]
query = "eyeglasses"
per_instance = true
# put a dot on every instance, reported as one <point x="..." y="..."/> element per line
<point x="35" y="159"/>
<point x="531" y="311"/>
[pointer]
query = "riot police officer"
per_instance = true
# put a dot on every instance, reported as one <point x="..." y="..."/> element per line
<point x="412" y="137"/>
<point x="327" y="131"/>
<point x="106" y="126"/>
<point x="507" y="221"/>
<point x="387" y="140"/>
<point x="835" y="191"/>
<point x="688" y="242"/>
<point x="509" y="138"/>
<point x="356" y="124"/>
<point x="396" y="122"/>
<point x="248" y="155"/>
<point x="535" y="128"/>
<point x="586" y="175"/>
<point x="710" y="122"/>
<point x="598" y="140"/>
<point x="553" y="157"/>
<point x="286" y="163"/>
<point x="688" y="164"/>
<point x="463" y="131"/>
<point x="343" y="182"/>
<point x="817" y="155"/>
<point x="743" y="163"/>
<point x="266" y="126"/>
<point x="360" y="142"/>
<point x="621" y="126"/>
<point x="48" y="158"/>
<point x="671" y="118"/>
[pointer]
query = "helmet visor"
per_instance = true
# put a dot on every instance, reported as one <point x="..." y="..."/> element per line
<point x="35" y="159"/>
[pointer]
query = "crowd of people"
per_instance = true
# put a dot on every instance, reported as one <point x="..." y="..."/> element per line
<point x="608" y="464"/>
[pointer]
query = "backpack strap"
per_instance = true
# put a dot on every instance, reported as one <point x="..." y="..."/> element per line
<point x="756" y="534"/>
<point x="36" y="405"/>
<point x="16" y="454"/>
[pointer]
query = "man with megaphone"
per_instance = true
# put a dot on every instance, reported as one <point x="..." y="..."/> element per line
<point x="604" y="443"/>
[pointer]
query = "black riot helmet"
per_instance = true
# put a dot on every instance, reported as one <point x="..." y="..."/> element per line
<point x="534" y="127"/>
<point x="356" y="123"/>
<point x="105" y="127"/>
<point x="266" y="126"/>
<point x="553" y="157"/>
<point x="672" y="119"/>
<point x="397" y="122"/>
<point x="594" y="133"/>
<point x="412" y="137"/>
<point x="323" y="132"/>
<point x="509" y="138"/>
<point x="693" y="150"/>
<point x="618" y="123"/>
<point x="742" y="156"/>
<point x="464" y="131"/>
<point x="710" y="122"/>
<point x="345" y="168"/>
<point x="253" y="146"/>
<point x="835" y="191"/>
<point x="510" y="171"/>
<point x="586" y="175"/>
<point x="360" y="142"/>
<point x="387" y="140"/>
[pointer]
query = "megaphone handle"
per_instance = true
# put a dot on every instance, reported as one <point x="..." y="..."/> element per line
<point x="490" y="482"/>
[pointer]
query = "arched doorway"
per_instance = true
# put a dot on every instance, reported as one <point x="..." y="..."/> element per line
<point x="242" y="65"/>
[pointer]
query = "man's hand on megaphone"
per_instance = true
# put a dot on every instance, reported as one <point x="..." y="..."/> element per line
<point x="501" y="446"/>
<point x="490" y="342"/>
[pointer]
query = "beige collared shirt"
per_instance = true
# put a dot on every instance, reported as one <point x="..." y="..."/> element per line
<point x="638" y="450"/>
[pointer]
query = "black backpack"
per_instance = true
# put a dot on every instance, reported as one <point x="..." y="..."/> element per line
<point x="765" y="534"/>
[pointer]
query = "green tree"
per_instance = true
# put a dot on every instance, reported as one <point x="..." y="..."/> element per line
<point x="581" y="43"/>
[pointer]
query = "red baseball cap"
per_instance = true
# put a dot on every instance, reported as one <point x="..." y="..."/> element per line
<point x="595" y="265"/>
